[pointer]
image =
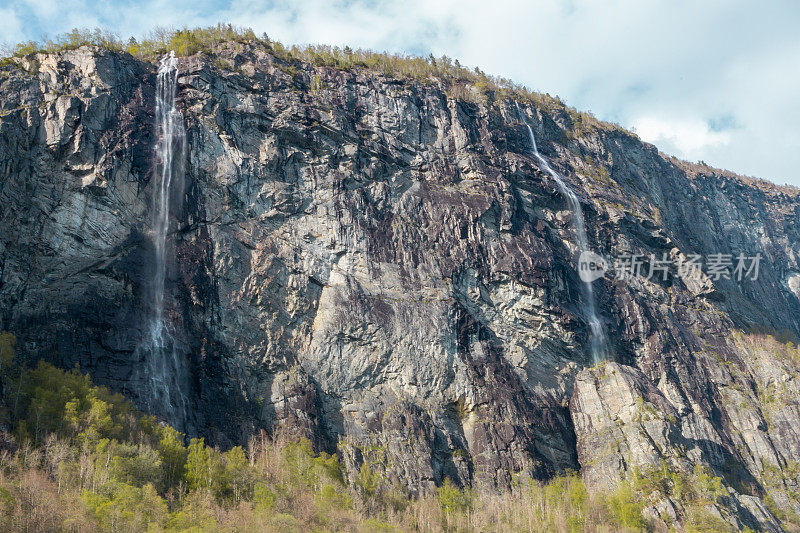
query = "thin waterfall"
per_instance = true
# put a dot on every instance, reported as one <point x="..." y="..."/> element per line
<point x="171" y="139"/>
<point x="164" y="368"/>
<point x="598" y="343"/>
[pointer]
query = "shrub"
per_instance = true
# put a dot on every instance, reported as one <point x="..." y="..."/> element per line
<point x="452" y="499"/>
<point x="707" y="486"/>
<point x="173" y="457"/>
<point x="7" y="343"/>
<point x="66" y="403"/>
<point x="625" y="507"/>
<point x="195" y="514"/>
<point x="367" y="481"/>
<point x="309" y="470"/>
<point x="264" y="499"/>
<point x="701" y="520"/>
<point x="136" y="465"/>
<point x="123" y="507"/>
<point x="333" y="497"/>
<point x="201" y="466"/>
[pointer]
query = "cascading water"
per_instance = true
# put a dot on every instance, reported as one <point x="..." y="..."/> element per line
<point x="171" y="139"/>
<point x="160" y="350"/>
<point x="598" y="344"/>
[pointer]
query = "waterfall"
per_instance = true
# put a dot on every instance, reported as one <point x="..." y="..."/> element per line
<point x="598" y="344"/>
<point x="171" y="138"/>
<point x="164" y="370"/>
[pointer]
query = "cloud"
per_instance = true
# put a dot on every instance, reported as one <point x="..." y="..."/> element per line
<point x="723" y="122"/>
<point x="44" y="9"/>
<point x="691" y="137"/>
<point x="702" y="80"/>
<point x="10" y="27"/>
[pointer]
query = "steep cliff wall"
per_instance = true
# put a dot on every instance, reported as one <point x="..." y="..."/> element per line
<point x="384" y="269"/>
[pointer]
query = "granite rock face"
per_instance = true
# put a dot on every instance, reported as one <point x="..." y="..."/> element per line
<point x="384" y="269"/>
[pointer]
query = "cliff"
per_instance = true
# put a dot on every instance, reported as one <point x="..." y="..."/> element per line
<point x="381" y="266"/>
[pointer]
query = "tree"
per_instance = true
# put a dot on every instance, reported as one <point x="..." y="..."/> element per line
<point x="173" y="456"/>
<point x="198" y="465"/>
<point x="238" y="472"/>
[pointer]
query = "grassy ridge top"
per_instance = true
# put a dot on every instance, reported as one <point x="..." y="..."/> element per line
<point x="187" y="42"/>
<point x="459" y="82"/>
<point x="472" y="85"/>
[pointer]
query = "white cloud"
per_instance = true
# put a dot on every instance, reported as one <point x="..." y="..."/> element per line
<point x="691" y="137"/>
<point x="10" y="27"/>
<point x="43" y="8"/>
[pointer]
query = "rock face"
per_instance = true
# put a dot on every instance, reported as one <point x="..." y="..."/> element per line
<point x="375" y="265"/>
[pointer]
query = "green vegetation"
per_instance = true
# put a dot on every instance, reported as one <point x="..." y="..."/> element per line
<point x="626" y="507"/>
<point x="67" y="41"/>
<point x="694" y="492"/>
<point x="459" y="82"/>
<point x="83" y="459"/>
<point x="782" y="480"/>
<point x="115" y="469"/>
<point x="701" y="487"/>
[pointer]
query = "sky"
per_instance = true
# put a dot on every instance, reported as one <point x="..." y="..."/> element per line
<point x="711" y="80"/>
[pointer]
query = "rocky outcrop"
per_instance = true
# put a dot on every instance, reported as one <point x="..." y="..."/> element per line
<point x="628" y="425"/>
<point x="382" y="268"/>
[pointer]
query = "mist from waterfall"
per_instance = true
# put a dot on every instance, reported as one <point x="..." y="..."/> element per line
<point x="164" y="370"/>
<point x="598" y="343"/>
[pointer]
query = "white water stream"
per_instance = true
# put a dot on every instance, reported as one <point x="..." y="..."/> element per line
<point x="597" y="340"/>
<point x="163" y="364"/>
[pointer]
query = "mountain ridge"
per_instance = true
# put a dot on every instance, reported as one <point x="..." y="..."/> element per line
<point x="366" y="263"/>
